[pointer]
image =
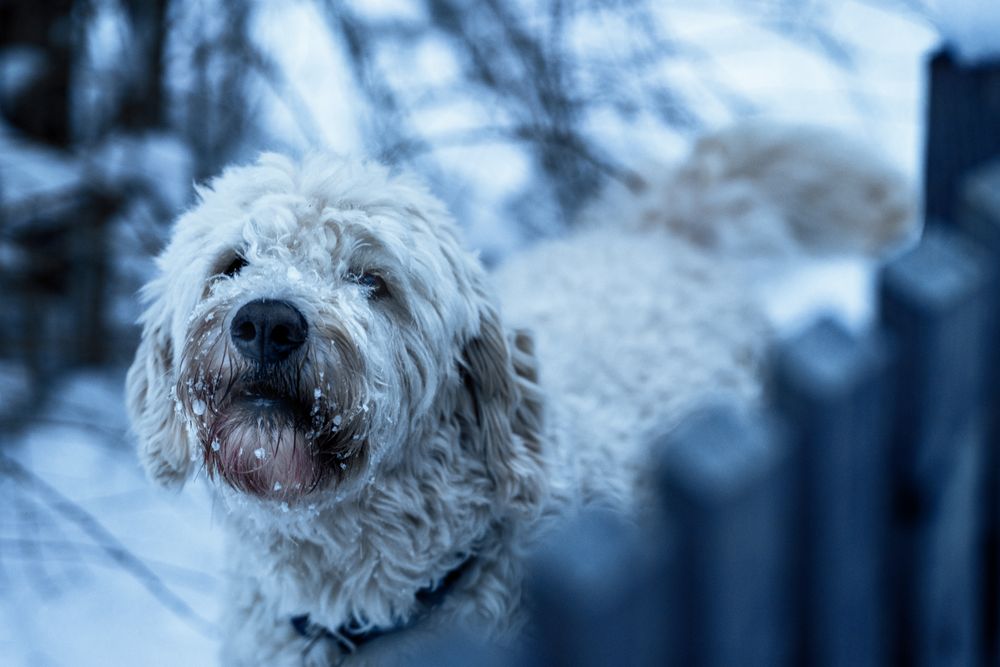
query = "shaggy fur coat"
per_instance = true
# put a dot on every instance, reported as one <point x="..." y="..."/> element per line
<point x="449" y="413"/>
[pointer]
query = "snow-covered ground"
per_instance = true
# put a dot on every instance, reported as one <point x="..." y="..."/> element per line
<point x="97" y="567"/>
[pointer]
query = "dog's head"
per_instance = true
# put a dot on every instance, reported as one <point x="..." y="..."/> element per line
<point x="312" y="322"/>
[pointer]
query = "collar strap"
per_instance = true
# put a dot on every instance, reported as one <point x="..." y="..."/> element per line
<point x="349" y="640"/>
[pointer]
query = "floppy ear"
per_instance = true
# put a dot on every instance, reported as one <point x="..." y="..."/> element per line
<point x="504" y="415"/>
<point x="163" y="445"/>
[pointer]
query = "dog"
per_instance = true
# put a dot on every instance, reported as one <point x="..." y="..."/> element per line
<point x="389" y="426"/>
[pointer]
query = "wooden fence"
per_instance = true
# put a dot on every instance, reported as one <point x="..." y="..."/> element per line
<point x="852" y="522"/>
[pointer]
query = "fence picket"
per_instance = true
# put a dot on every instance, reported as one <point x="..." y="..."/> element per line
<point x="980" y="219"/>
<point x="934" y="303"/>
<point x="723" y="478"/>
<point x="962" y="128"/>
<point x="592" y="593"/>
<point x="832" y="389"/>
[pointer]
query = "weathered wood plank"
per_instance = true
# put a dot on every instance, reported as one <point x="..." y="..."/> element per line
<point x="460" y="648"/>
<point x="831" y="387"/>
<point x="979" y="217"/>
<point x="591" y="594"/>
<point x="724" y="479"/>
<point x="934" y="303"/>
<point x="963" y="131"/>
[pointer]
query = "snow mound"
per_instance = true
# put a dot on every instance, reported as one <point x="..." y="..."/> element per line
<point x="970" y="27"/>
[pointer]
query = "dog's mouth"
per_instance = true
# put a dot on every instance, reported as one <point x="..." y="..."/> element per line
<point x="272" y="442"/>
<point x="267" y="401"/>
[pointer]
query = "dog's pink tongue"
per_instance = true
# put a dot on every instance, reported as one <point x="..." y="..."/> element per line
<point x="279" y="466"/>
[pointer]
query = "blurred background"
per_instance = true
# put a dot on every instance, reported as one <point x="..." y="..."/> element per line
<point x="516" y="112"/>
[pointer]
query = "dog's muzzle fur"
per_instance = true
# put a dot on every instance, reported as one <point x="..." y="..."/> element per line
<point x="273" y="418"/>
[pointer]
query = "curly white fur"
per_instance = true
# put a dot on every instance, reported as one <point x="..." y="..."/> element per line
<point x="435" y="430"/>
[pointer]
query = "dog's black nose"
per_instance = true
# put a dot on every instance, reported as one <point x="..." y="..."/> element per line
<point x="267" y="331"/>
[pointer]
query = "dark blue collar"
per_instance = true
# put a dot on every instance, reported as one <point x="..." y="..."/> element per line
<point x="349" y="639"/>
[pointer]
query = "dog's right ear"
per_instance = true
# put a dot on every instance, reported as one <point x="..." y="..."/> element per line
<point x="163" y="445"/>
<point x="502" y="412"/>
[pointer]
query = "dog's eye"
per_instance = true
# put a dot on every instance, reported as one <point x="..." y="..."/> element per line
<point x="235" y="266"/>
<point x="373" y="284"/>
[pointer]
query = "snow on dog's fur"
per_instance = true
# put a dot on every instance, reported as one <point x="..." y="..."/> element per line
<point x="415" y="427"/>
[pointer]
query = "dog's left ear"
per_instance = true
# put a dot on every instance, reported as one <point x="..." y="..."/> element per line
<point x="504" y="415"/>
<point x="163" y="447"/>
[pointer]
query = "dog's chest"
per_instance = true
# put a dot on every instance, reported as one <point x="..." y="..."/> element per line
<point x="364" y="561"/>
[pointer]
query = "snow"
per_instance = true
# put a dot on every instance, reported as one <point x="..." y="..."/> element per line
<point x="19" y="66"/>
<point x="317" y="76"/>
<point x="34" y="174"/>
<point x="970" y="27"/>
<point x="66" y="598"/>
<point x="160" y="162"/>
<point x="842" y="287"/>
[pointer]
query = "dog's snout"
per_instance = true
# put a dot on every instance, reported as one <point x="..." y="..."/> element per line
<point x="268" y="331"/>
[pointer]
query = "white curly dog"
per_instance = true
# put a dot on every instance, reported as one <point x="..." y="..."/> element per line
<point x="384" y="440"/>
